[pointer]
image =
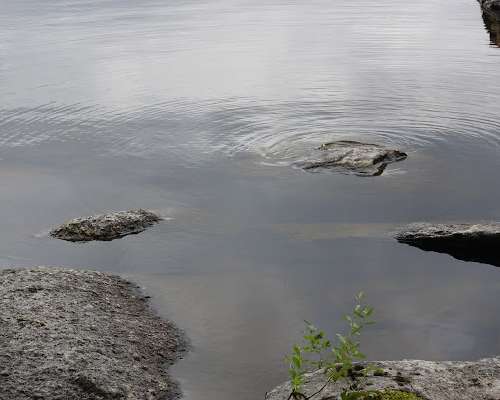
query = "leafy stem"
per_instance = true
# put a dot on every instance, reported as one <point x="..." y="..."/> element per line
<point x="336" y="358"/>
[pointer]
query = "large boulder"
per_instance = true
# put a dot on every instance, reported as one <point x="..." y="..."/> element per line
<point x="467" y="242"/>
<point x="361" y="159"/>
<point x="106" y="226"/>
<point x="429" y="380"/>
<point x="74" y="334"/>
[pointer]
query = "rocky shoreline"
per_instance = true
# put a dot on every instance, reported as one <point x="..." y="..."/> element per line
<point x="87" y="335"/>
<point x="429" y="380"/>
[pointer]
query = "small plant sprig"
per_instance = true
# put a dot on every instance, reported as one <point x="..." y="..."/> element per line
<point x="336" y="359"/>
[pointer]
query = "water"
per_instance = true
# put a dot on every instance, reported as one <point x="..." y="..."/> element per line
<point x="198" y="109"/>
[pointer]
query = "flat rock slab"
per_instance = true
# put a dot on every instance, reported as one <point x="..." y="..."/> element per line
<point x="106" y="227"/>
<point x="362" y="159"/>
<point x="70" y="334"/>
<point x="467" y="242"/>
<point x="479" y="380"/>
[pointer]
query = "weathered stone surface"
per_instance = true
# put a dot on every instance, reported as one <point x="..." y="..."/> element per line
<point x="447" y="380"/>
<point x="467" y="242"/>
<point x="361" y="159"/>
<point x="106" y="226"/>
<point x="70" y="334"/>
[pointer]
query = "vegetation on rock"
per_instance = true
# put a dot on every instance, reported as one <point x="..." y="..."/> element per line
<point x="381" y="395"/>
<point x="336" y="358"/>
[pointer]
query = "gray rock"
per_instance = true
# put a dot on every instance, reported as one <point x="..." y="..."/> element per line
<point x="491" y="7"/>
<point x="467" y="242"/>
<point x="106" y="226"/>
<point x="492" y="25"/>
<point x="361" y="159"/>
<point x="70" y="334"/>
<point x="447" y="380"/>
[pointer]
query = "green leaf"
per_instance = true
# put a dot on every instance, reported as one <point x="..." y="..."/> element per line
<point x="336" y="358"/>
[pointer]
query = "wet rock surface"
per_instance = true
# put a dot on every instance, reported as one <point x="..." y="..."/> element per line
<point x="447" y="380"/>
<point x="492" y="25"/>
<point x="71" y="334"/>
<point x="106" y="227"/>
<point x="467" y="242"/>
<point x="362" y="159"/>
<point x="491" y="7"/>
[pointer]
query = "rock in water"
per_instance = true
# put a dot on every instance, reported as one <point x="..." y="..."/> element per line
<point x="430" y="380"/>
<point x="106" y="226"/>
<point x="361" y="159"/>
<point x="73" y="334"/>
<point x="491" y="7"/>
<point x="491" y="18"/>
<point x="467" y="242"/>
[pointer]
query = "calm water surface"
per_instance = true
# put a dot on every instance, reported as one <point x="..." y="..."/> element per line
<point x="198" y="108"/>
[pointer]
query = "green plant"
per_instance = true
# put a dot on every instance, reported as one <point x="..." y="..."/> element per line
<point x="336" y="358"/>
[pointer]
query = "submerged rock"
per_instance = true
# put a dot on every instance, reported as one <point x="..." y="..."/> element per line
<point x="106" y="226"/>
<point x="447" y="380"/>
<point x="71" y="334"/>
<point x="361" y="159"/>
<point x="467" y="242"/>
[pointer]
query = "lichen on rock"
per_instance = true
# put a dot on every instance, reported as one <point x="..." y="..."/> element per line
<point x="385" y="395"/>
<point x="106" y="227"/>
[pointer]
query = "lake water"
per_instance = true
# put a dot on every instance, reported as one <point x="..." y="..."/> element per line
<point x="198" y="108"/>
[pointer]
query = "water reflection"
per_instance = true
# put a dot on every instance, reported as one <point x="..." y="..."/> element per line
<point x="329" y="231"/>
<point x="192" y="107"/>
<point x="483" y="250"/>
<point x="242" y="325"/>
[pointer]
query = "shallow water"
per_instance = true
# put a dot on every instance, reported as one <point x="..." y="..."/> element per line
<point x="198" y="109"/>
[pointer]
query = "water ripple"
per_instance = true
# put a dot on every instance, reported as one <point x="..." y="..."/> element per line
<point x="276" y="131"/>
<point x="194" y="80"/>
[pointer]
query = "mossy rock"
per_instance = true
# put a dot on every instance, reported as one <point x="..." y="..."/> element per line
<point x="383" y="395"/>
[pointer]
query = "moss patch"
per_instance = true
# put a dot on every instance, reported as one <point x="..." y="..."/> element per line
<point x="384" y="395"/>
<point x="398" y="395"/>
